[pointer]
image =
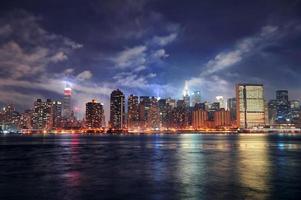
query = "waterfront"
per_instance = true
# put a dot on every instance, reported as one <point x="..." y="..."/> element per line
<point x="182" y="166"/>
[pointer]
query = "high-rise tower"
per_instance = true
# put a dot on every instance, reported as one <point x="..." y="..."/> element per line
<point x="67" y="108"/>
<point x="117" y="110"/>
<point x="250" y="105"/>
<point x="186" y="96"/>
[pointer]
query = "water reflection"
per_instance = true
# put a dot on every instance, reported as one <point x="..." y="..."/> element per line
<point x="254" y="166"/>
<point x="151" y="167"/>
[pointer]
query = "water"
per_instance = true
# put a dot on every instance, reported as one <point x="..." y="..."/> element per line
<point x="151" y="167"/>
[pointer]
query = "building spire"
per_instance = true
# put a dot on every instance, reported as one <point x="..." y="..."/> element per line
<point x="186" y="91"/>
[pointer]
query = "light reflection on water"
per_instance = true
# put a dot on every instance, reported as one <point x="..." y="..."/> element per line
<point x="183" y="166"/>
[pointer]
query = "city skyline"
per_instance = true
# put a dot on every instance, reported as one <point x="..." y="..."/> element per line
<point x="146" y="48"/>
<point x="248" y="110"/>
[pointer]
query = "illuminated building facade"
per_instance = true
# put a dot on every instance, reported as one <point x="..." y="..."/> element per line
<point x="199" y="119"/>
<point x="153" y="120"/>
<point x="144" y="107"/>
<point x="231" y="104"/>
<point x="133" y="112"/>
<point x="220" y="100"/>
<point x="42" y="114"/>
<point x="222" y="118"/>
<point x="283" y="106"/>
<point x="186" y="96"/>
<point x="94" y="114"/>
<point x="250" y="105"/>
<point x="57" y="114"/>
<point x="117" y="110"/>
<point x="67" y="107"/>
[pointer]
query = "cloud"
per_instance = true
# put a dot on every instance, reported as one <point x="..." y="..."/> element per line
<point x="212" y="78"/>
<point x="164" y="40"/>
<point x="131" y="57"/>
<point x="27" y="49"/>
<point x="159" y="54"/>
<point x="229" y="58"/>
<point x="85" y="75"/>
<point x="27" y="52"/>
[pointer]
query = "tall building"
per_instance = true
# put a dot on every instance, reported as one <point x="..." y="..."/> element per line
<point x="25" y="120"/>
<point x="195" y="98"/>
<point x="133" y="112"/>
<point x="282" y="96"/>
<point x="186" y="96"/>
<point x="220" y="100"/>
<point x="153" y="115"/>
<point x="294" y="111"/>
<point x="283" y="106"/>
<point x="232" y="108"/>
<point x="144" y="107"/>
<point x="117" y="110"/>
<point x="67" y="107"/>
<point x="272" y="111"/>
<point x="250" y="105"/>
<point x="42" y="114"/>
<point x="163" y="112"/>
<point x="57" y="114"/>
<point x="94" y="114"/>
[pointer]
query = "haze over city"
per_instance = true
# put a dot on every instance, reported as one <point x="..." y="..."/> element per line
<point x="146" y="48"/>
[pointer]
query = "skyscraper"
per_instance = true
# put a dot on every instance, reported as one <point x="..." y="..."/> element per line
<point x="283" y="106"/>
<point x="42" y="114"/>
<point x="250" y="105"/>
<point x="117" y="110"/>
<point x="144" y="107"/>
<point x="57" y="114"/>
<point x="133" y="112"/>
<point x="195" y="98"/>
<point x="186" y="96"/>
<point x="94" y="114"/>
<point x="67" y="107"/>
<point x="153" y="115"/>
<point x="231" y="104"/>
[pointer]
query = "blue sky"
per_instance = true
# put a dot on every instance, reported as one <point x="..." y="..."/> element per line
<point x="146" y="48"/>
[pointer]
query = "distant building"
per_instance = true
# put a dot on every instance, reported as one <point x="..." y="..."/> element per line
<point x="42" y="114"/>
<point x="250" y="105"/>
<point x="171" y="102"/>
<point x="133" y="112"/>
<point x="220" y="100"/>
<point x="272" y="111"/>
<point x="67" y="107"/>
<point x="294" y="114"/>
<point x="57" y="110"/>
<point x="94" y="114"/>
<point x="154" y="115"/>
<point x="232" y="108"/>
<point x="144" y="107"/>
<point x="25" y="120"/>
<point x="117" y="110"/>
<point x="222" y="118"/>
<point x="283" y="106"/>
<point x="195" y="98"/>
<point x="186" y="96"/>
<point x="199" y="119"/>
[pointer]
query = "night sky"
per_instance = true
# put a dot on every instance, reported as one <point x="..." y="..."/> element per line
<point x="146" y="48"/>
